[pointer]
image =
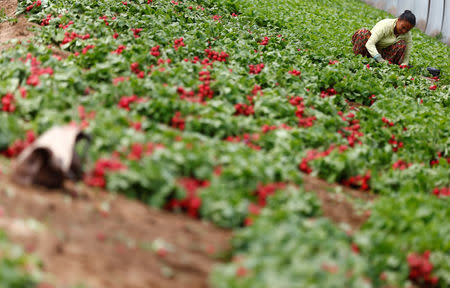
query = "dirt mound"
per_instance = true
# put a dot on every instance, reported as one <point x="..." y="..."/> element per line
<point x="10" y="29"/>
<point x="106" y="240"/>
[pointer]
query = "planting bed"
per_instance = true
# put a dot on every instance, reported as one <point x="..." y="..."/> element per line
<point x="103" y="240"/>
<point x="231" y="111"/>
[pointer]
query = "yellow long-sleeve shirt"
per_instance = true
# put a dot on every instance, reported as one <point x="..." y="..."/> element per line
<point x="383" y="36"/>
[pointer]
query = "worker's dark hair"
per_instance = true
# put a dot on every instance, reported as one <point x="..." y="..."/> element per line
<point x="408" y="16"/>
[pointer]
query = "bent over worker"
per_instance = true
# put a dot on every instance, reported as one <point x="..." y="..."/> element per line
<point x="389" y="40"/>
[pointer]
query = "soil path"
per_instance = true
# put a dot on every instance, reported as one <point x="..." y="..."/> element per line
<point x="106" y="240"/>
<point x="338" y="206"/>
<point x="13" y="30"/>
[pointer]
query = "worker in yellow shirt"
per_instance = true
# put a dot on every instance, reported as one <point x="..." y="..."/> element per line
<point x="389" y="40"/>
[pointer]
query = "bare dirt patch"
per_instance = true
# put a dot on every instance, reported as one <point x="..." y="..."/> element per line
<point x="13" y="30"/>
<point x="335" y="206"/>
<point x="9" y="7"/>
<point x="354" y="105"/>
<point x="60" y="53"/>
<point x="105" y="240"/>
<point x="19" y="30"/>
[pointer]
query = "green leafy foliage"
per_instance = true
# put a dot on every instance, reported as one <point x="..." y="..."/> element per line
<point x="285" y="248"/>
<point x="13" y="264"/>
<point x="401" y="226"/>
<point x="179" y="129"/>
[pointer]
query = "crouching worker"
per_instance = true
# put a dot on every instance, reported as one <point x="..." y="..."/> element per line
<point x="389" y="40"/>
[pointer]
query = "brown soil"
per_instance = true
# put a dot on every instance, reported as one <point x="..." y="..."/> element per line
<point x="20" y="30"/>
<point x="352" y="104"/>
<point x="58" y="52"/>
<point x="336" y="206"/>
<point x="9" y="6"/>
<point x="8" y="30"/>
<point x="83" y="243"/>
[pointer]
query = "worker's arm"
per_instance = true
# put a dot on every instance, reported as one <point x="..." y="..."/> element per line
<point x="408" y="50"/>
<point x="377" y="33"/>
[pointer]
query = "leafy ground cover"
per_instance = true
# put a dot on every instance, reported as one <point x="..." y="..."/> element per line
<point x="211" y="107"/>
<point x="17" y="268"/>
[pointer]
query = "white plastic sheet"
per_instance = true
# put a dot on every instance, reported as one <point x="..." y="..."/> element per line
<point x="391" y="7"/>
<point x="420" y="9"/>
<point x="405" y="5"/>
<point x="435" y="17"/>
<point x="446" y="24"/>
<point x="432" y="16"/>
